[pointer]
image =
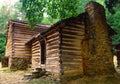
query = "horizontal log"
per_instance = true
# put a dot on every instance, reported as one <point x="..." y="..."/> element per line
<point x="24" y="27"/>
<point x="53" y="42"/>
<point x="53" y="36"/>
<point x="28" y="51"/>
<point x="26" y="39"/>
<point x="68" y="36"/>
<point x="76" y="47"/>
<point x="24" y="30"/>
<point x="21" y="54"/>
<point x="20" y="46"/>
<point x="35" y="43"/>
<point x="36" y="46"/>
<point x="17" y="34"/>
<point x="22" y="37"/>
<point x="21" y="49"/>
<point x="53" y="59"/>
<point x="69" y="42"/>
<point x="54" y="39"/>
<point x="74" y="29"/>
<point x="72" y="39"/>
<point x="57" y="54"/>
<point x="53" y="52"/>
<point x="73" y="33"/>
<point x="68" y="31"/>
<point x="20" y="43"/>
<point x="36" y="55"/>
<point x="73" y="55"/>
<point x="67" y="48"/>
<point x="73" y="51"/>
<point x="82" y="26"/>
<point x="21" y="40"/>
<point x="54" y="33"/>
<point x="28" y="33"/>
<point x="34" y="49"/>
<point x="37" y="51"/>
<point x="52" y="47"/>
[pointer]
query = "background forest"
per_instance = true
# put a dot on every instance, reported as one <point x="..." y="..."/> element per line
<point x="51" y="11"/>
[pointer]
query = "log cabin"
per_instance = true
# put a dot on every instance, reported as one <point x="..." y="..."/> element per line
<point x="18" y="33"/>
<point x="78" y="45"/>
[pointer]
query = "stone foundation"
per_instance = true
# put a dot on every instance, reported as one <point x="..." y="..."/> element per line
<point x="19" y="63"/>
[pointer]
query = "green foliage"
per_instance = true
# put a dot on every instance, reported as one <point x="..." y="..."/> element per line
<point x="2" y="45"/>
<point x="3" y="19"/>
<point x="50" y="10"/>
<point x="114" y="22"/>
<point x="110" y="4"/>
<point x="7" y="12"/>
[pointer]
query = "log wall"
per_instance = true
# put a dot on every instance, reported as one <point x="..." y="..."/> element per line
<point x="36" y="54"/>
<point x="21" y="36"/>
<point x="18" y="35"/>
<point x="53" y="52"/>
<point x="22" y="52"/>
<point x="71" y="47"/>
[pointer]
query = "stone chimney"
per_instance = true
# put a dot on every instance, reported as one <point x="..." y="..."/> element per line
<point x="97" y="48"/>
<point x="95" y="11"/>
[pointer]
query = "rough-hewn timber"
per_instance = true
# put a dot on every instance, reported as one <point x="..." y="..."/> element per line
<point x="73" y="34"/>
<point x="17" y="36"/>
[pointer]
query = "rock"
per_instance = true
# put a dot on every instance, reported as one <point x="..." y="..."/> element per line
<point x="28" y="76"/>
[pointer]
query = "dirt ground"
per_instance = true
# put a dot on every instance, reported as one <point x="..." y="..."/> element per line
<point x="8" y="77"/>
<point x="16" y="77"/>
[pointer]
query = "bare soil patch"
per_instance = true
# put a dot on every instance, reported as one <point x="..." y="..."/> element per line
<point x="10" y="77"/>
<point x="16" y="77"/>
